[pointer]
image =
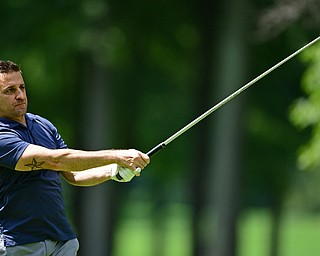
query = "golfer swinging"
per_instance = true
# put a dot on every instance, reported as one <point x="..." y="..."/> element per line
<point x="32" y="157"/>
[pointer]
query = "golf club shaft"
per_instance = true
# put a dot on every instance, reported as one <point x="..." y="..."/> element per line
<point x="224" y="101"/>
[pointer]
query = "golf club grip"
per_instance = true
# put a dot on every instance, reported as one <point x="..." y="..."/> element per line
<point x="150" y="153"/>
<point x="156" y="149"/>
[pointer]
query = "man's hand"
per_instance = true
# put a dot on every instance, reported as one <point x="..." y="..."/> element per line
<point x="121" y="174"/>
<point x="132" y="159"/>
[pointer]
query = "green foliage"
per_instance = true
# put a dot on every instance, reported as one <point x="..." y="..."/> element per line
<point x="42" y="37"/>
<point x="305" y="111"/>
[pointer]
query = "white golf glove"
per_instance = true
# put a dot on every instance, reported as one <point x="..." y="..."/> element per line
<point x="121" y="174"/>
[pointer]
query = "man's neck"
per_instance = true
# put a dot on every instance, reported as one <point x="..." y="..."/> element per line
<point x="21" y="120"/>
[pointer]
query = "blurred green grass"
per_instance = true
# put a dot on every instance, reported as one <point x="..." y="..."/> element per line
<point x="169" y="233"/>
<point x="299" y="234"/>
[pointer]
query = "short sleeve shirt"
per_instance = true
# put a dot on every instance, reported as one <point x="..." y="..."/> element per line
<point x="31" y="202"/>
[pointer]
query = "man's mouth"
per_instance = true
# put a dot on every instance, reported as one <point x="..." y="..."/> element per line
<point x="23" y="104"/>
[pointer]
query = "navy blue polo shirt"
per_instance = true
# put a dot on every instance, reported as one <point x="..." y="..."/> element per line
<point x="31" y="203"/>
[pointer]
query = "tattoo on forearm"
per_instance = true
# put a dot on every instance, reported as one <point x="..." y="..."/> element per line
<point x="34" y="165"/>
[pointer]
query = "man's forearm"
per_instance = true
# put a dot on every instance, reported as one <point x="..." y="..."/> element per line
<point x="69" y="160"/>
<point x="90" y="177"/>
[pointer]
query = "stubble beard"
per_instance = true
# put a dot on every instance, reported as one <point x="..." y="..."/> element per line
<point x="19" y="112"/>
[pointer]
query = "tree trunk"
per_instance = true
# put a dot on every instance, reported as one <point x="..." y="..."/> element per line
<point x="95" y="214"/>
<point x="206" y="12"/>
<point x="224" y="180"/>
<point x="275" y="230"/>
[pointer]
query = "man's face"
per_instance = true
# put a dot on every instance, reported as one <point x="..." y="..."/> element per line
<point x="13" y="97"/>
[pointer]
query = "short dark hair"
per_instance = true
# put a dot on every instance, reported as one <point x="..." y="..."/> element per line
<point x="8" y="67"/>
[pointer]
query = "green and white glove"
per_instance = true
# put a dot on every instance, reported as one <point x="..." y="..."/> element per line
<point x="121" y="174"/>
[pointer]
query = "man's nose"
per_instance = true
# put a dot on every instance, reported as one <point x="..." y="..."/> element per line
<point x="20" y="94"/>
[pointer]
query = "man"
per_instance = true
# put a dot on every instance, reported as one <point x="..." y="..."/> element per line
<point x="32" y="158"/>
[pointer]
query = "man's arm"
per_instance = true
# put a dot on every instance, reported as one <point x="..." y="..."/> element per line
<point x="70" y="160"/>
<point x="90" y="177"/>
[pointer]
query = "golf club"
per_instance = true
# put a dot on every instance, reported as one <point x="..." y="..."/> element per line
<point x="161" y="145"/>
<point x="224" y="101"/>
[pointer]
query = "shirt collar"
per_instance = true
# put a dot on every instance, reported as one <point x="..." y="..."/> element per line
<point x="5" y="122"/>
<point x="30" y="119"/>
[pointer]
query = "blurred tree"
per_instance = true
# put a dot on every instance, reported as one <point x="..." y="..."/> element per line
<point x="96" y="205"/>
<point x="281" y="25"/>
<point x="305" y="112"/>
<point x="282" y="15"/>
<point x="224" y="177"/>
<point x="154" y="79"/>
<point x="207" y="12"/>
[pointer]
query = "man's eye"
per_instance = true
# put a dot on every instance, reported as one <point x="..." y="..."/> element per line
<point x="10" y="90"/>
